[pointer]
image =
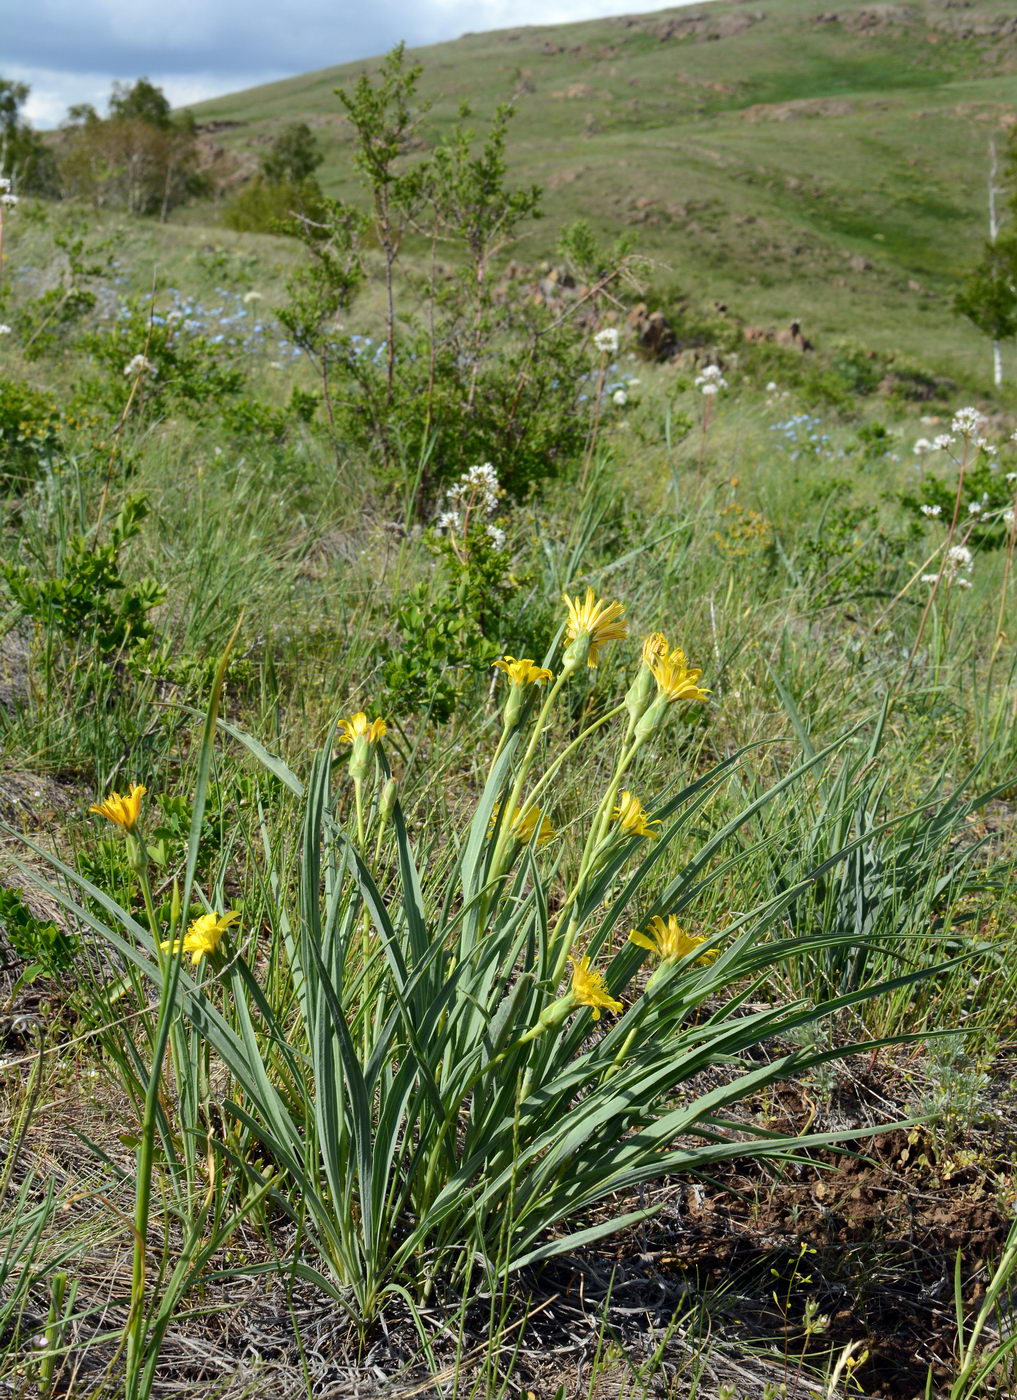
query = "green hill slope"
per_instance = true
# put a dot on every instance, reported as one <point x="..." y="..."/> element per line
<point x="793" y="160"/>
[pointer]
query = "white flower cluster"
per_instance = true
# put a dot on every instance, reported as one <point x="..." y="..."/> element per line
<point x="922" y="444"/>
<point x="606" y="341"/>
<point x="942" y="442"/>
<point x="477" y="492"/>
<point x="932" y="510"/>
<point x="711" y="380"/>
<point x="967" y="422"/>
<point x="956" y="562"/>
<point x="140" y="364"/>
<point x="7" y="199"/>
<point x="620" y="397"/>
<point x="4" y="330"/>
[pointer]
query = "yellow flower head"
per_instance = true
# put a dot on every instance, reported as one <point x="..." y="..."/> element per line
<point x="630" y="814"/>
<point x="524" y="672"/>
<point x="204" y="935"/>
<point x="675" y="679"/>
<point x="654" y="647"/>
<point x="669" y="941"/>
<point x="125" y="811"/>
<point x="358" y="726"/>
<point x="594" y="619"/>
<point x="589" y="989"/>
<point x="526" y="821"/>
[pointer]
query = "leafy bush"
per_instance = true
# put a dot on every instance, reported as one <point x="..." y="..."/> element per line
<point x="29" y="432"/>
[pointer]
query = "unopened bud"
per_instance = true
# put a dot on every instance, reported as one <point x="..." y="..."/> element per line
<point x="387" y="804"/>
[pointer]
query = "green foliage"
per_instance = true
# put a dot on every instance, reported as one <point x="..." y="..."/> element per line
<point x="89" y="602"/>
<point x="29" y="432"/>
<point x="45" y="324"/>
<point x="988" y="297"/>
<point x="141" y="101"/>
<point x="980" y="498"/>
<point x="846" y="554"/>
<point x="140" y="158"/>
<point x="293" y="157"/>
<point x="175" y="367"/>
<point x="272" y="206"/>
<point x="449" y="631"/>
<point x="45" y="949"/>
<point x="459" y="368"/>
<point x="25" y="159"/>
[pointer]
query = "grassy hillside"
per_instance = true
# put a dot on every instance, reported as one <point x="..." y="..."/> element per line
<point x="793" y="161"/>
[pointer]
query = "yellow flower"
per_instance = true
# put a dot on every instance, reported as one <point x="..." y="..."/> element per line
<point x="524" y="823"/>
<point x="669" y="941"/>
<point x="358" y="726"/>
<point x="675" y="679"/>
<point x="525" y="672"/>
<point x="592" y="622"/>
<point x="125" y="811"/>
<point x="654" y="647"/>
<point x="204" y="935"/>
<point x="589" y="989"/>
<point x="630" y="814"/>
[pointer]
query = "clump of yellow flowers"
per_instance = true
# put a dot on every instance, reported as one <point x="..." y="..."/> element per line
<point x="664" y="678"/>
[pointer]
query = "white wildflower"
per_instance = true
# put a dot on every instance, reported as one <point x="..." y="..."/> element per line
<point x="251" y="296"/>
<point x="5" y="330"/>
<point x="710" y="389"/>
<point x="962" y="582"/>
<point x="942" y="442"/>
<point x="496" y="536"/>
<point x="8" y="200"/>
<point x="975" y="508"/>
<point x="606" y="341"/>
<point x="771" y="388"/>
<point x="620" y="398"/>
<point x="5" y="184"/>
<point x="959" y="557"/>
<point x="141" y="364"/>
<point x="448" y="521"/>
<point x="932" y="510"/>
<point x="1008" y="517"/>
<point x="967" y="422"/>
<point x="1011" y="477"/>
<point x="922" y="444"/>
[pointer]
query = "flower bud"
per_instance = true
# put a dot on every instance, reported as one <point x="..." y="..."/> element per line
<point x="386" y="805"/>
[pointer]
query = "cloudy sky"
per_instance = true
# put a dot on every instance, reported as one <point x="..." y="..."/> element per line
<point x="72" y="50"/>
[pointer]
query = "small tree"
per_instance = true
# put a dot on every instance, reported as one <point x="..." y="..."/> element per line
<point x="294" y="156"/>
<point x="25" y="159"/>
<point x="140" y="158"/>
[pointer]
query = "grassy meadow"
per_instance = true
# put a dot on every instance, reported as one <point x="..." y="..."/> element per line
<point x="529" y="916"/>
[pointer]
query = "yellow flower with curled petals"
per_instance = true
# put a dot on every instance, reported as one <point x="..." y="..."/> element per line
<point x="525" y="822"/>
<point x="589" y="990"/>
<point x="676" y="680"/>
<point x="524" y="672"/>
<point x="358" y="726"/>
<point x="203" y="936"/>
<point x="124" y="811"/>
<point x="631" y="816"/>
<point x="669" y="941"/>
<point x="591" y="623"/>
<point x="654" y="647"/>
